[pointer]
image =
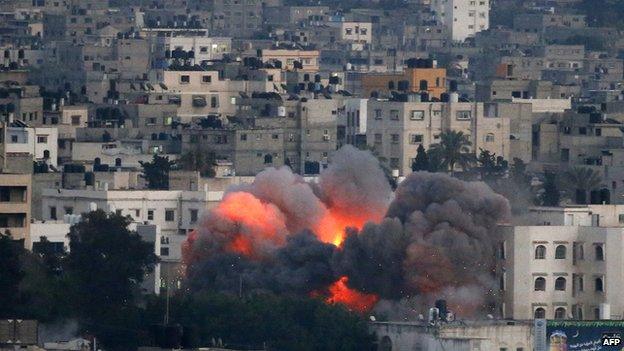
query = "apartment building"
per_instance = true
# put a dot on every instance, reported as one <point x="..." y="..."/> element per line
<point x="564" y="263"/>
<point x="303" y="60"/>
<point x="462" y="18"/>
<point x="395" y="129"/>
<point x="15" y="197"/>
<point x="175" y="212"/>
<point x="421" y="76"/>
<point x="40" y="142"/>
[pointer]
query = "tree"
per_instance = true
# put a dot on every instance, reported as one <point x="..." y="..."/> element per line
<point x="11" y="275"/>
<point x="581" y="180"/>
<point x="550" y="196"/>
<point x="454" y="150"/>
<point x="279" y="322"/>
<point x="491" y="166"/>
<point x="105" y="267"/>
<point x="421" y="162"/>
<point x="157" y="172"/>
<point x="198" y="160"/>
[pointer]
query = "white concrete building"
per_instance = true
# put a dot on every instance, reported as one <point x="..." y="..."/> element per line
<point x="353" y="118"/>
<point x="41" y="142"/>
<point x="462" y="18"/>
<point x="564" y="263"/>
<point x="204" y="48"/>
<point x="175" y="212"/>
<point x="56" y="232"/>
<point x="483" y="335"/>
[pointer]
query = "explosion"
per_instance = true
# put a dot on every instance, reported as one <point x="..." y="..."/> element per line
<point x="348" y="239"/>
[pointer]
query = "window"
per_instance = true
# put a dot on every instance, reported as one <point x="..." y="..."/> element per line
<point x="169" y="215"/>
<point x="416" y="138"/>
<point x="185" y="79"/>
<point x="560" y="284"/>
<point x="164" y="251"/>
<point x="268" y="159"/>
<point x="243" y="137"/>
<point x="560" y="313"/>
<point x="560" y="252"/>
<point x="394" y="138"/>
<point x="598" y="285"/>
<point x="539" y="313"/>
<point x="540" y="284"/>
<point x="75" y="120"/>
<point x="14" y="138"/>
<point x="69" y="210"/>
<point x="417" y="115"/>
<point x="540" y="252"/>
<point x="394" y="115"/>
<point x="206" y="79"/>
<point x="489" y="138"/>
<point x="377" y="114"/>
<point x="53" y="212"/>
<point x="150" y="215"/>
<point x="137" y="213"/>
<point x="42" y="139"/>
<point x="463" y="115"/>
<point x="193" y="213"/>
<point x="599" y="253"/>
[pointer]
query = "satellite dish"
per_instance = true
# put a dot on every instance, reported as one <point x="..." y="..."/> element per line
<point x="372" y="318"/>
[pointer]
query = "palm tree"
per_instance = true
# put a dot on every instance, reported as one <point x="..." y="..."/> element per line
<point x="582" y="180"/>
<point x="454" y="150"/>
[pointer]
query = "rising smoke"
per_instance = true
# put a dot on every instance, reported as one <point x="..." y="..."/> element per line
<point x="348" y="239"/>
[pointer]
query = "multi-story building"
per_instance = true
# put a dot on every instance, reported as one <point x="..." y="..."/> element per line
<point x="395" y="129"/>
<point x="462" y="18"/>
<point x="564" y="263"/>
<point x="421" y="76"/>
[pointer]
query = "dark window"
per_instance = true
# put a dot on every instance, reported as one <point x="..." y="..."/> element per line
<point x="560" y="252"/>
<point x="560" y="313"/>
<point x="193" y="215"/>
<point x="539" y="313"/>
<point x="599" y="285"/>
<point x="540" y="252"/>
<point x="150" y="215"/>
<point x="164" y="251"/>
<point x="599" y="253"/>
<point x="560" y="284"/>
<point x="169" y="215"/>
<point x="540" y="284"/>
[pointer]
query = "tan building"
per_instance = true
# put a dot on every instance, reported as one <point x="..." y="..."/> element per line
<point x="396" y="129"/>
<point x="431" y="80"/>
<point x="309" y="59"/>
<point x="15" y="206"/>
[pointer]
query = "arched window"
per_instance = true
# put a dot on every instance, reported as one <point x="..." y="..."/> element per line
<point x="560" y="284"/>
<point x="540" y="252"/>
<point x="598" y="284"/>
<point x="599" y="253"/>
<point x="118" y="162"/>
<point x="268" y="159"/>
<point x="540" y="284"/>
<point x="539" y="313"/>
<point x="424" y="85"/>
<point x="560" y="252"/>
<point x="46" y="154"/>
<point x="97" y="161"/>
<point x="560" y="313"/>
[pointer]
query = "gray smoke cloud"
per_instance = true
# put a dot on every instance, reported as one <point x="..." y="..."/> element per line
<point x="433" y="240"/>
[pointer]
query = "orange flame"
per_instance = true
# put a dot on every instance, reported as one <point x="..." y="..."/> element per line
<point x="340" y="293"/>
<point x="331" y="228"/>
<point x="254" y="223"/>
